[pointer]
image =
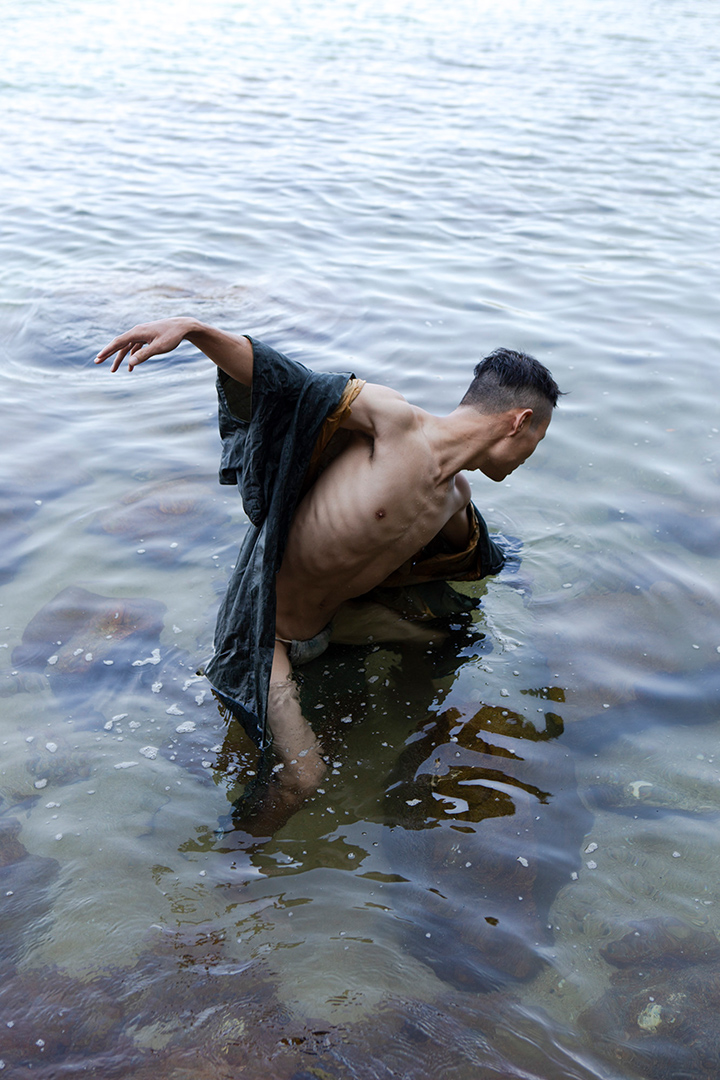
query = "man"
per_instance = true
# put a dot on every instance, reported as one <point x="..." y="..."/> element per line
<point x="394" y="487"/>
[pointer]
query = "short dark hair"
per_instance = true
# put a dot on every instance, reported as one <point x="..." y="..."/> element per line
<point x="508" y="380"/>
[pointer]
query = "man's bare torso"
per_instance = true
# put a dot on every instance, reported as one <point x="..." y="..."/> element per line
<point x="378" y="503"/>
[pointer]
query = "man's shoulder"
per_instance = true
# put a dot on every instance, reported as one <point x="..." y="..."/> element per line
<point x="379" y="409"/>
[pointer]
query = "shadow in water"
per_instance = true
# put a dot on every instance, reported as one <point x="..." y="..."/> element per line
<point x="482" y="821"/>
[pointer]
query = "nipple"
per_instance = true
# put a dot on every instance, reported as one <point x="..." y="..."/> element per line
<point x="380" y="513"/>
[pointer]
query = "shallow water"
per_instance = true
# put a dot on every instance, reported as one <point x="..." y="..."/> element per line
<point x="398" y="189"/>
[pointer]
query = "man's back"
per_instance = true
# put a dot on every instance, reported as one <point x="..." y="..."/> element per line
<point x="385" y="496"/>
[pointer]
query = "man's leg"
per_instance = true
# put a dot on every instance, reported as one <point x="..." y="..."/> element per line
<point x="298" y="769"/>
<point x="294" y="741"/>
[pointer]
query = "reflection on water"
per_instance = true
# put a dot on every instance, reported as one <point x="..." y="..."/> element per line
<point x="510" y="869"/>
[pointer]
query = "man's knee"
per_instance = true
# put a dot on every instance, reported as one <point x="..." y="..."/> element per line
<point x="301" y="774"/>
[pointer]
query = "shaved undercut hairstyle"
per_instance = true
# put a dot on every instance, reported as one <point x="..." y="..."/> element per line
<point x="511" y="380"/>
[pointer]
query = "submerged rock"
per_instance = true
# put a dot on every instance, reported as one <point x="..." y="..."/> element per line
<point x="24" y="885"/>
<point x="662" y="942"/>
<point x="661" y="1015"/>
<point x="481" y="836"/>
<point x="48" y="1016"/>
<point x="79" y="632"/>
<point x="166" y="518"/>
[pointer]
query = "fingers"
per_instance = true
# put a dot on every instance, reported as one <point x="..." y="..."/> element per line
<point x="144" y="341"/>
<point x="132" y="342"/>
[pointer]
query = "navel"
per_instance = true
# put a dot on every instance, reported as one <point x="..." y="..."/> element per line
<point x="380" y="513"/>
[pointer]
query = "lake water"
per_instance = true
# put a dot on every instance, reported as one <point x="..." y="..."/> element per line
<point x="395" y="188"/>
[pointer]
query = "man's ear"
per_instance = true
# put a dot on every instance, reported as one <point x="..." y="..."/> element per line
<point x="522" y="419"/>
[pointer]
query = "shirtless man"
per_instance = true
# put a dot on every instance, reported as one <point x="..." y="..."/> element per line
<point x="395" y="486"/>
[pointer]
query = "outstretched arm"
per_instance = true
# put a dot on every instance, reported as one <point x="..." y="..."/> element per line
<point x="233" y="354"/>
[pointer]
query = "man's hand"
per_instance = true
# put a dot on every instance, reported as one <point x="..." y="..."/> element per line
<point x="233" y="354"/>
<point x="146" y="340"/>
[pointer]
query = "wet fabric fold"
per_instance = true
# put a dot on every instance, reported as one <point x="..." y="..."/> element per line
<point x="268" y="438"/>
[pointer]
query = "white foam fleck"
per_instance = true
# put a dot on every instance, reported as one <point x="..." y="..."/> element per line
<point x="174" y="711"/>
<point x="522" y="861"/>
<point x="53" y="659"/>
<point x="40" y="784"/>
<point x="150" y="752"/>
<point x="156" y="687"/>
<point x="125" y="764"/>
<point x="154" y="658"/>
<point x="187" y="725"/>
<point x="51" y="747"/>
<point x="590" y="848"/>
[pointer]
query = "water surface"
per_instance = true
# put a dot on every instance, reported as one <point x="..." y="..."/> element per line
<point x="394" y="188"/>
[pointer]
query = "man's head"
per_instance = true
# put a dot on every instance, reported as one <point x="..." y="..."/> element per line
<point x="512" y="380"/>
<point x="518" y="394"/>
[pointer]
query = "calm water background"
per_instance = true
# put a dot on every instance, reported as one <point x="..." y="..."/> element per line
<point x="397" y="188"/>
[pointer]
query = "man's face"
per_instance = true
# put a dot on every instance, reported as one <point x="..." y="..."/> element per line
<point x="513" y="450"/>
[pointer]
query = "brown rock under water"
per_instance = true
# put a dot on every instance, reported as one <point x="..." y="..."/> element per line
<point x="661" y="1015"/>
<point x="78" y="630"/>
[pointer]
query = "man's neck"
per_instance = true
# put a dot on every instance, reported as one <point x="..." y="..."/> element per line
<point x="462" y="439"/>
